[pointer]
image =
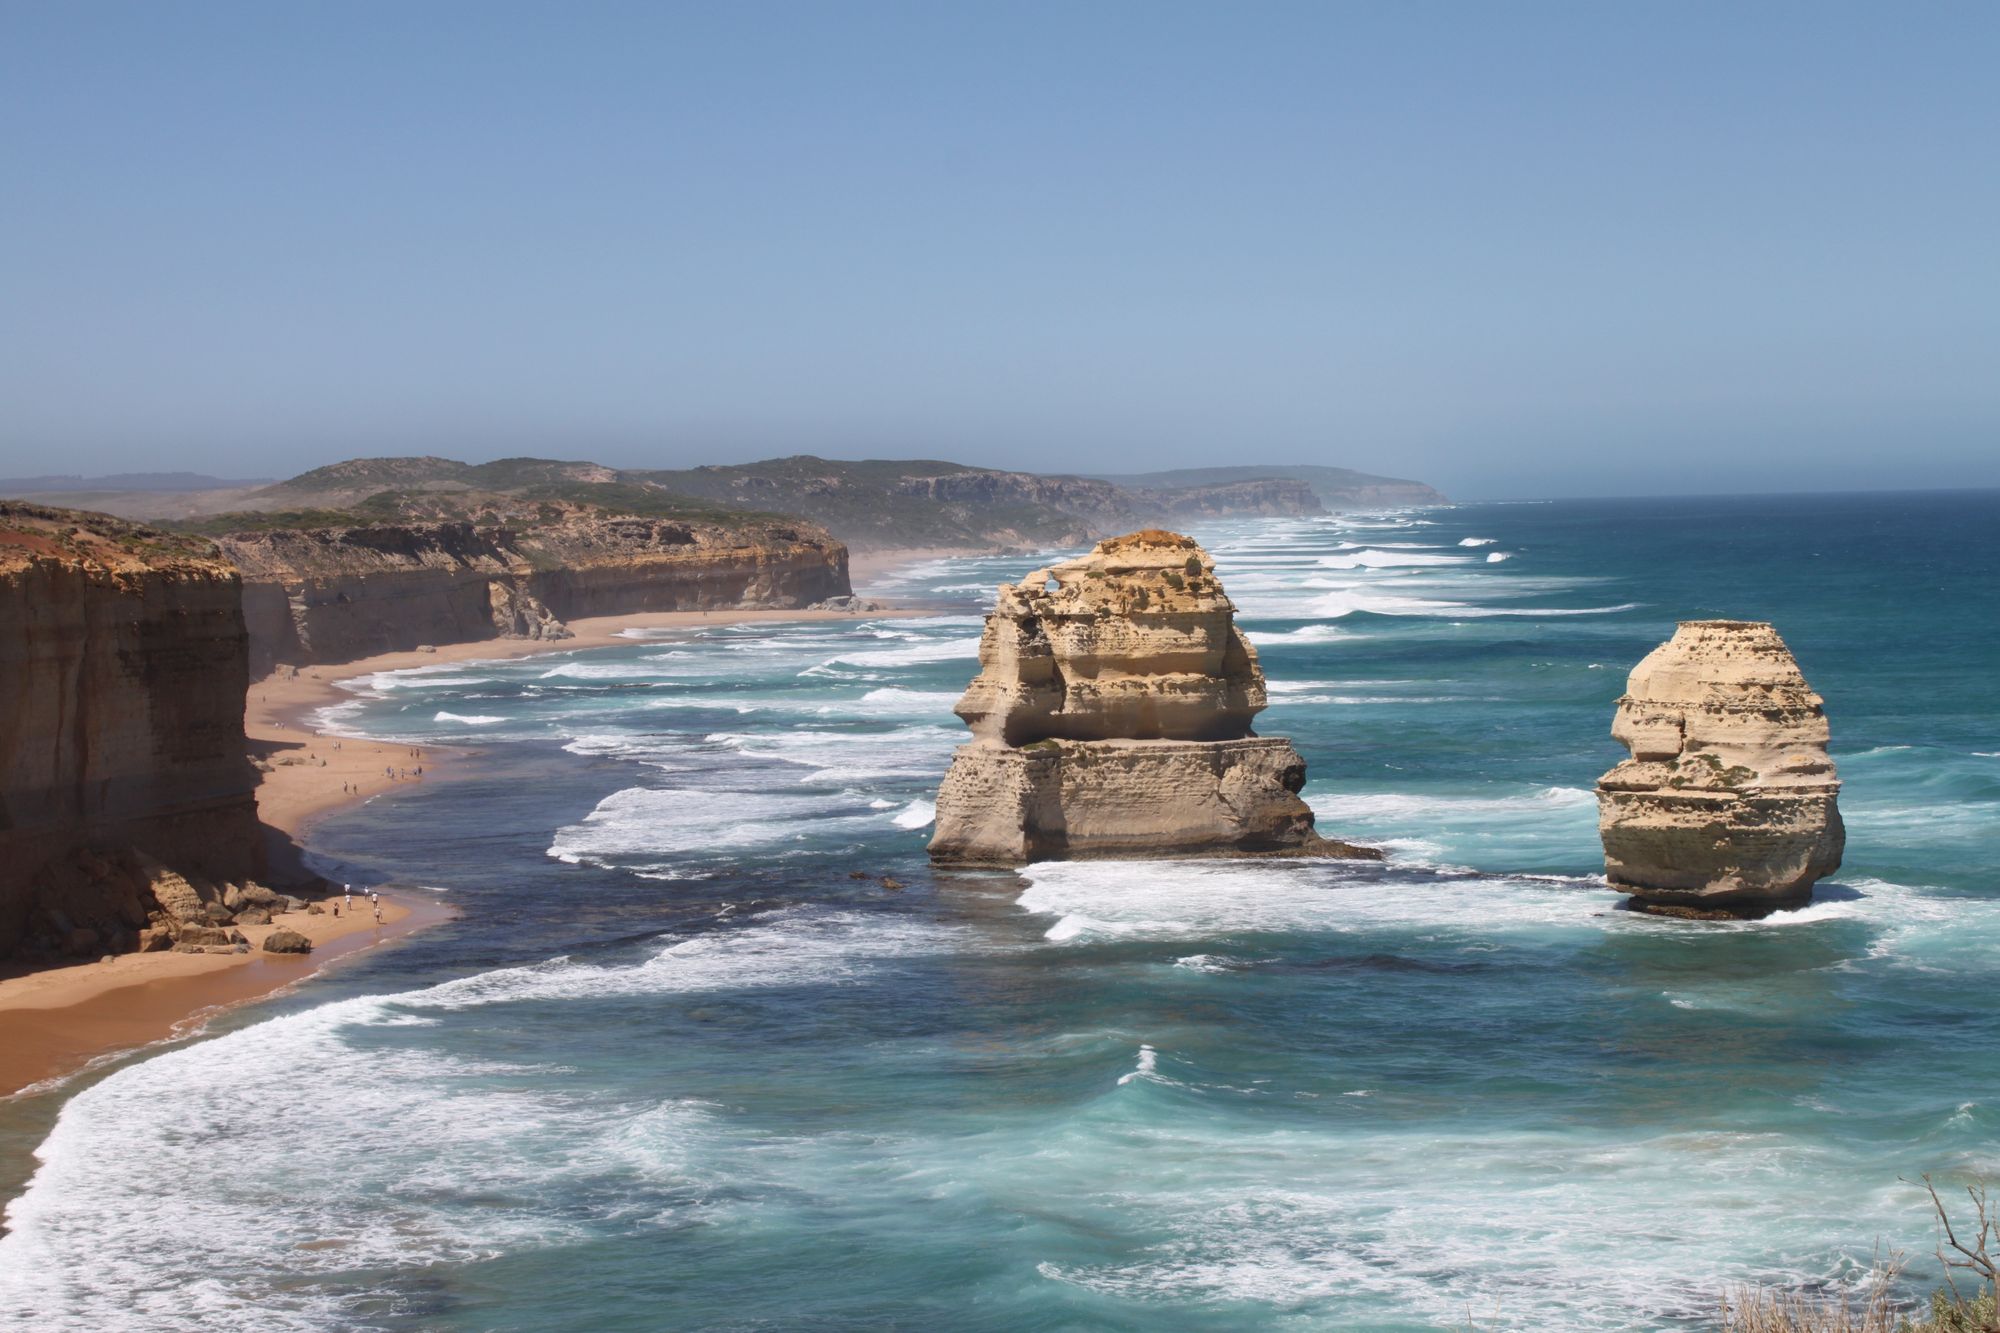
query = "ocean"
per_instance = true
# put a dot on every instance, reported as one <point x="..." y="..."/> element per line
<point x="687" y="1060"/>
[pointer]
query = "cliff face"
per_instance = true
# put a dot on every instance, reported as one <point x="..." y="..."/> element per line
<point x="1729" y="801"/>
<point x="889" y="504"/>
<point x="1135" y="640"/>
<point x="1111" y="717"/>
<point x="335" y="594"/>
<point x="122" y="676"/>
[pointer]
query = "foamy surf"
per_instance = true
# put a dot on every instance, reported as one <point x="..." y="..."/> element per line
<point x="1203" y="1084"/>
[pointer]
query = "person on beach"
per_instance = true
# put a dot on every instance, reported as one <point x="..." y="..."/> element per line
<point x="347" y="891"/>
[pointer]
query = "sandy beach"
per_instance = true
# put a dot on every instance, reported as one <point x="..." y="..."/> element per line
<point x="56" y="1021"/>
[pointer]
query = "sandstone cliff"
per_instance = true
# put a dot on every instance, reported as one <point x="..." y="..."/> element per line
<point x="1111" y="717"/>
<point x="122" y="678"/>
<point x="1729" y="801"/>
<point x="514" y="569"/>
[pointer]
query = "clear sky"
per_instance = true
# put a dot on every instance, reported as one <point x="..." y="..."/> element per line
<point x="1512" y="249"/>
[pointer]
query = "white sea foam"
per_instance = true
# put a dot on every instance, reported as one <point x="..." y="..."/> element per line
<point x="1444" y="807"/>
<point x="937" y="650"/>
<point x="1205" y="962"/>
<point x="641" y="670"/>
<point x="415" y="679"/>
<point x="1303" y="634"/>
<point x="1496" y="557"/>
<point x="468" y="719"/>
<point x="1374" y="558"/>
<point x="425" y="1159"/>
<point x="1211" y="900"/>
<point x="339" y="719"/>
<point x="895" y="699"/>
<point x="1477" y="541"/>
<point x="664" y="752"/>
<point x="1335" y="605"/>
<point x="641" y="824"/>
<point x="917" y="814"/>
<point x="1148" y="1066"/>
<point x="1301" y="700"/>
<point x="851" y="756"/>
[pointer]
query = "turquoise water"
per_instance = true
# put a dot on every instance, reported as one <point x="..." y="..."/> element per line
<point x="675" y="1067"/>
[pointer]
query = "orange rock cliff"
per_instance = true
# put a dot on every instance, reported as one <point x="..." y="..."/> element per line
<point x="123" y="668"/>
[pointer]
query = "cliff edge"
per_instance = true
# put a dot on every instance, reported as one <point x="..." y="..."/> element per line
<point x="123" y="669"/>
<point x="1111" y="717"/>
<point x="403" y="569"/>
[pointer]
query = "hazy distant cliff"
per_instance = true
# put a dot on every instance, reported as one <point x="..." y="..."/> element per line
<point x="895" y="503"/>
<point x="1335" y="487"/>
<point x="874" y="504"/>
<point x="122" y="676"/>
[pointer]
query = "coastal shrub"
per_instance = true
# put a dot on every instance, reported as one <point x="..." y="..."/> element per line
<point x="1973" y="1250"/>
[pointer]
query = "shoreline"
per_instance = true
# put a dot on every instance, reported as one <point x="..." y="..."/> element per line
<point x="56" y="1023"/>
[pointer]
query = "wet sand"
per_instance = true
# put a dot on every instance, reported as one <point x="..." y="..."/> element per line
<point x="56" y="1021"/>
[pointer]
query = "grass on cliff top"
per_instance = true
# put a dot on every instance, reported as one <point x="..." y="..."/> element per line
<point x="523" y="510"/>
<point x="84" y="533"/>
<point x="858" y="501"/>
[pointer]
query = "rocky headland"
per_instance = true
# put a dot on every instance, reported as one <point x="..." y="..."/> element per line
<point x="868" y="504"/>
<point x="128" y="810"/>
<point x="1337" y="488"/>
<point x="1111" y="718"/>
<point x="1729" y="802"/>
<point x="885" y="504"/>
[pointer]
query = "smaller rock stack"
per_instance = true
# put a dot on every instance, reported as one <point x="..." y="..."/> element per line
<point x="1111" y="717"/>
<point x="1728" y="805"/>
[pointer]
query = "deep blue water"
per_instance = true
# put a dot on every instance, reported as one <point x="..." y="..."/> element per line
<point x="676" y="1067"/>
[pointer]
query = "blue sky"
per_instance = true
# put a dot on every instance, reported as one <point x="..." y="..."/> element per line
<point x="1520" y="249"/>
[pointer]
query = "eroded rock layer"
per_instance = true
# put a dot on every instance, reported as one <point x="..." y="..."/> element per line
<point x="1111" y="717"/>
<point x="122" y="676"/>
<point x="1729" y="801"/>
<point x="339" y="593"/>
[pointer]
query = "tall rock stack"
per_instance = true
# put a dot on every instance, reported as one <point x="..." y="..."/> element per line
<point x="1729" y="801"/>
<point x="1111" y="718"/>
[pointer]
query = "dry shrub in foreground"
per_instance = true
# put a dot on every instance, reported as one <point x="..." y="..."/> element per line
<point x="1758" y="1310"/>
<point x="1953" y="1310"/>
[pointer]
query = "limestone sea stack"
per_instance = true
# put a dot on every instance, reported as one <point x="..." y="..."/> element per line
<point x="1111" y="718"/>
<point x="1729" y="801"/>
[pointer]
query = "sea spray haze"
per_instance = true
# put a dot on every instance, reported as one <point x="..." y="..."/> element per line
<point x="676" y="1066"/>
